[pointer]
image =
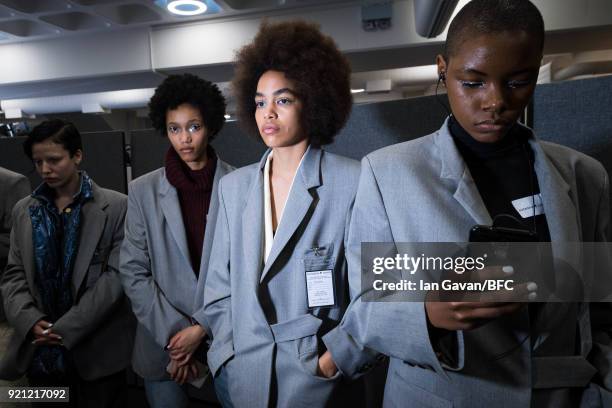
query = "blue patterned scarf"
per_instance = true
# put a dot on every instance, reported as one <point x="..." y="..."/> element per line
<point x="55" y="237"/>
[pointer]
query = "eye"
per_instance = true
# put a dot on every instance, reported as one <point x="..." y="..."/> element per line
<point x="284" y="101"/>
<point x="518" y="84"/>
<point x="259" y="104"/>
<point x="173" y="129"/>
<point x="38" y="163"/>
<point x="472" y="84"/>
<point x="194" y="128"/>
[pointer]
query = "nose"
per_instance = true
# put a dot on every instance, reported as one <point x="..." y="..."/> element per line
<point x="270" y="112"/>
<point x="495" y="99"/>
<point x="44" y="168"/>
<point x="185" y="136"/>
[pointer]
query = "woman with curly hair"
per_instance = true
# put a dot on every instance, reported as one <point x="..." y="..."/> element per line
<point x="169" y="228"/>
<point x="277" y="284"/>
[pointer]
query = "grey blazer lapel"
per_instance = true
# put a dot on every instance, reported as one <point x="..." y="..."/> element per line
<point x="171" y="209"/>
<point x="299" y="201"/>
<point x="27" y="256"/>
<point x="252" y="224"/>
<point x="93" y="220"/>
<point x="557" y="202"/>
<point x="211" y="217"/>
<point x="454" y="168"/>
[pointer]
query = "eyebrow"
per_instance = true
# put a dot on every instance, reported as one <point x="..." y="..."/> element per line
<point x="188" y="121"/>
<point x="476" y="72"/>
<point x="277" y="92"/>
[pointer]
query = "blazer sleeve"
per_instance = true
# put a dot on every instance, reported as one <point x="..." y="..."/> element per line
<point x="351" y="358"/>
<point x="396" y="328"/>
<point x="217" y="311"/>
<point x="16" y="189"/>
<point x="98" y="301"/>
<point x="601" y="312"/>
<point x="150" y="305"/>
<point x="19" y="305"/>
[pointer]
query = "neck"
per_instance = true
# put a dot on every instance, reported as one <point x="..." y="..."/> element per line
<point x="287" y="159"/>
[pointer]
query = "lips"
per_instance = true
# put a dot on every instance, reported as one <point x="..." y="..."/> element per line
<point x="491" y="125"/>
<point x="186" y="150"/>
<point x="50" y="180"/>
<point x="269" y="129"/>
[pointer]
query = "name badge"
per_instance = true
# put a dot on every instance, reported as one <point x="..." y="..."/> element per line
<point x="320" y="288"/>
<point x="525" y="206"/>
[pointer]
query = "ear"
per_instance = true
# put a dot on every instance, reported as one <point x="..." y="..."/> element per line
<point x="78" y="156"/>
<point x="442" y="67"/>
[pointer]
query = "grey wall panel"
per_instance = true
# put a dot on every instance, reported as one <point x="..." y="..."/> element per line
<point x="377" y="125"/>
<point x="577" y="114"/>
<point x="103" y="159"/>
<point x="148" y="149"/>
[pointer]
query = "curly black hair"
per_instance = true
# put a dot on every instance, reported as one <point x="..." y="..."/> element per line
<point x="187" y="88"/>
<point x="312" y="61"/>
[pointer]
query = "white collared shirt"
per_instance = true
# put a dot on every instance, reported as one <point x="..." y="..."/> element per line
<point x="268" y="227"/>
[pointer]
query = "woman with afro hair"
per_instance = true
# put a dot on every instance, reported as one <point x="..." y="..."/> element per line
<point x="277" y="281"/>
<point x="169" y="228"/>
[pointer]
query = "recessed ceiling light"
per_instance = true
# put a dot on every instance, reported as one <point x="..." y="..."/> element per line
<point x="227" y="116"/>
<point x="187" y="7"/>
<point x="360" y="90"/>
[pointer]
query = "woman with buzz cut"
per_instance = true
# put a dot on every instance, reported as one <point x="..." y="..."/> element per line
<point x="471" y="172"/>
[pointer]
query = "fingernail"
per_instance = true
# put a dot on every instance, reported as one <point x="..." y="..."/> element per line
<point x="509" y="270"/>
<point x="60" y="337"/>
<point x="532" y="296"/>
<point x="532" y="286"/>
<point x="46" y="331"/>
<point x="50" y="325"/>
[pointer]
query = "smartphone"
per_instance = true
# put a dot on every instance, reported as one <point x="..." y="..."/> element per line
<point x="486" y="233"/>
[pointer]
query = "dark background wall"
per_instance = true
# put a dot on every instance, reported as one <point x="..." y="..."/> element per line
<point x="577" y="114"/>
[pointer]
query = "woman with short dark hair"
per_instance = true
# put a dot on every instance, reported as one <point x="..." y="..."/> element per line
<point x="485" y="171"/>
<point x="63" y="296"/>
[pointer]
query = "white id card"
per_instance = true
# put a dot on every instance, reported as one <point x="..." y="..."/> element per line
<point x="525" y="206"/>
<point x="320" y="288"/>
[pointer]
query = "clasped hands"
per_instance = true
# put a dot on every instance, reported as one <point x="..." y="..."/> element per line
<point x="44" y="336"/>
<point x="182" y="345"/>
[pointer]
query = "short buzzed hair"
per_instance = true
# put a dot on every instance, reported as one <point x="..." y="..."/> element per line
<point x="493" y="17"/>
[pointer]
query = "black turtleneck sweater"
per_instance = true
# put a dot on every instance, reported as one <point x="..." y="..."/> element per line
<point x="502" y="171"/>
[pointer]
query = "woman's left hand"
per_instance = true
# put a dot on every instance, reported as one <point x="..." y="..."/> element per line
<point x="184" y="343"/>
<point x="326" y="366"/>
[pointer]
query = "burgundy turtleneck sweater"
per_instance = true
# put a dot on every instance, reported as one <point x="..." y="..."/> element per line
<point x="194" y="188"/>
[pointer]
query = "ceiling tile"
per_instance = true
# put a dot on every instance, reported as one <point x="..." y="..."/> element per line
<point x="74" y="21"/>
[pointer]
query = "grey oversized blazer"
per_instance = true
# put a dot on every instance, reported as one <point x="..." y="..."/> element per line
<point x="422" y="191"/>
<point x="156" y="268"/>
<point x="264" y="334"/>
<point x="99" y="328"/>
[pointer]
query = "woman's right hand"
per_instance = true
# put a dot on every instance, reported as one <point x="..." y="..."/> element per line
<point x="43" y="334"/>
<point x="470" y="310"/>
